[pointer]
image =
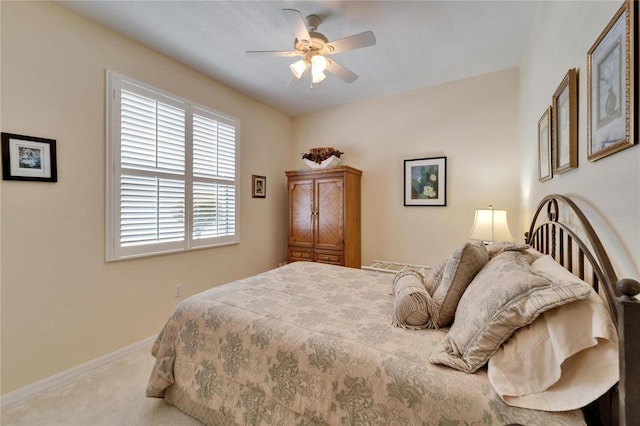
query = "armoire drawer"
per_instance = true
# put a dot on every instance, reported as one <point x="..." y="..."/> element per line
<point x="332" y="258"/>
<point x="300" y="254"/>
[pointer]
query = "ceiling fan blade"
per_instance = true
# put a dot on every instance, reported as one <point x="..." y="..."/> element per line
<point x="277" y="53"/>
<point x="341" y="72"/>
<point x="356" y="41"/>
<point x="296" y="21"/>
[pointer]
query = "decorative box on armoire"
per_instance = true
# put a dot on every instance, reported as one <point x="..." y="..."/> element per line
<point x="324" y="215"/>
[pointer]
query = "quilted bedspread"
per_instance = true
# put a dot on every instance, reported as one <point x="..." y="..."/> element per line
<point x="313" y="344"/>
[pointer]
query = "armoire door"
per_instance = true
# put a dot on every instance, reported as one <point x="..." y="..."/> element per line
<point x="329" y="213"/>
<point x="301" y="213"/>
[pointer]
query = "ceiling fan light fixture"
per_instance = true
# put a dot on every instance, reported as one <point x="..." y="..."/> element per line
<point x="311" y="46"/>
<point x="298" y="68"/>
<point x="318" y="63"/>
<point x="317" y="76"/>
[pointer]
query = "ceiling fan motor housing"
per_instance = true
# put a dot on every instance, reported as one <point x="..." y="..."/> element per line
<point x="316" y="44"/>
<point x="318" y="40"/>
<point x="313" y="22"/>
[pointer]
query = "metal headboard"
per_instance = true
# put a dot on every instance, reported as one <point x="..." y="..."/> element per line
<point x="585" y="256"/>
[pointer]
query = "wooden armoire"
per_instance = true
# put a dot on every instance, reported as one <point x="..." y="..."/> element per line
<point x="324" y="215"/>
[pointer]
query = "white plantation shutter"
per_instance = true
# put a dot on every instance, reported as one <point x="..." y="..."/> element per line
<point x="152" y="164"/>
<point x="171" y="173"/>
<point x="227" y="147"/>
<point x="214" y="164"/>
<point x="151" y="210"/>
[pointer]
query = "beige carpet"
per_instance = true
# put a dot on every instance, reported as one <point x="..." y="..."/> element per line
<point x="111" y="395"/>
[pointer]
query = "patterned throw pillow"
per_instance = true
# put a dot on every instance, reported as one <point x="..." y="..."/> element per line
<point x="498" y="247"/>
<point x="458" y="272"/>
<point x="412" y="305"/>
<point x="435" y="276"/>
<point x="504" y="296"/>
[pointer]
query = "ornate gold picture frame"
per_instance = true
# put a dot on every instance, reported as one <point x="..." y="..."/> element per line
<point x="565" y="124"/>
<point x="610" y="86"/>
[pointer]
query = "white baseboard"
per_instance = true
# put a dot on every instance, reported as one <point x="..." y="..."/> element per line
<point x="44" y="384"/>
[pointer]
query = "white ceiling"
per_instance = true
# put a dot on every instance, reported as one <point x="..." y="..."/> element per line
<point x="419" y="43"/>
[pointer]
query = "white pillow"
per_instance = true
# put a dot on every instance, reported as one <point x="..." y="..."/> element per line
<point x="565" y="359"/>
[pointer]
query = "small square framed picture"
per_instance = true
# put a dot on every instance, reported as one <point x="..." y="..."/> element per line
<point x="28" y="158"/>
<point x="425" y="182"/>
<point x="259" y="186"/>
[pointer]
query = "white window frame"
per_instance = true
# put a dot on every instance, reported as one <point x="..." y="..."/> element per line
<point x="114" y="249"/>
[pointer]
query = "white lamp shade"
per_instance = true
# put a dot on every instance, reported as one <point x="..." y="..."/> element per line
<point x="318" y="63"/>
<point x="490" y="225"/>
<point x="298" y="68"/>
<point x="316" y="76"/>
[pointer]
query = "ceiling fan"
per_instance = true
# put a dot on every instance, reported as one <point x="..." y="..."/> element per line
<point x="313" y="48"/>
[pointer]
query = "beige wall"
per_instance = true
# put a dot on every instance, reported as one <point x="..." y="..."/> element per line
<point x="473" y="122"/>
<point x="608" y="189"/>
<point x="62" y="305"/>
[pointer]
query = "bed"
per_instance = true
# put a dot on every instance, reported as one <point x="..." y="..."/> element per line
<point x="316" y="344"/>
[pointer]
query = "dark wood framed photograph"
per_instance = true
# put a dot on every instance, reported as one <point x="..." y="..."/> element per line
<point x="564" y="124"/>
<point x="425" y="182"/>
<point x="28" y="158"/>
<point x="611" y="73"/>
<point x="544" y="146"/>
<point x="259" y="186"/>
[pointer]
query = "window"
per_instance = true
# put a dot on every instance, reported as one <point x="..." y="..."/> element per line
<point x="171" y="173"/>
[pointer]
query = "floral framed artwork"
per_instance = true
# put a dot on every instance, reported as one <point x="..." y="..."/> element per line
<point x="611" y="73"/>
<point x="544" y="147"/>
<point x="259" y="186"/>
<point x="28" y="158"/>
<point x="564" y="124"/>
<point x="425" y="182"/>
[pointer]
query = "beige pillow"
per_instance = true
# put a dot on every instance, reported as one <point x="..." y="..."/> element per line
<point x="458" y="272"/>
<point x="498" y="247"/>
<point x="412" y="304"/>
<point x="563" y="360"/>
<point x="535" y="253"/>
<point x="435" y="276"/>
<point x="504" y="296"/>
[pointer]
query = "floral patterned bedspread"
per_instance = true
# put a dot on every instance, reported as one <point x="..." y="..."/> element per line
<point x="313" y="344"/>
